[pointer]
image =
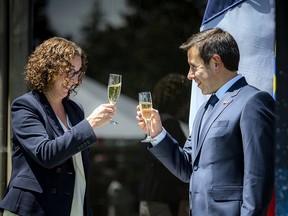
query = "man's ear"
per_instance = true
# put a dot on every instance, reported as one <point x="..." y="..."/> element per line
<point x="216" y="61"/>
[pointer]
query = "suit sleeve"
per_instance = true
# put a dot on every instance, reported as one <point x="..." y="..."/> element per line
<point x="173" y="157"/>
<point x="257" y="128"/>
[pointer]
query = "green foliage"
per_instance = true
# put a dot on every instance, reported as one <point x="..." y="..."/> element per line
<point x="144" y="49"/>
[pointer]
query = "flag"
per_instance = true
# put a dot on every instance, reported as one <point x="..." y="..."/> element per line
<point x="252" y="24"/>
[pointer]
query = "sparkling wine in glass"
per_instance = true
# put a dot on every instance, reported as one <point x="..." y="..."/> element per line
<point x="145" y="102"/>
<point x="114" y="89"/>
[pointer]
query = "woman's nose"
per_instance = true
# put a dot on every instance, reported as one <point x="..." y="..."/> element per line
<point x="74" y="79"/>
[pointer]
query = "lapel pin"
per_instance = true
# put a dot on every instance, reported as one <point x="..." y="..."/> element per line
<point x="226" y="102"/>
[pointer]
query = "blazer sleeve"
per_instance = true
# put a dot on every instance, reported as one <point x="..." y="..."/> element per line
<point x="37" y="132"/>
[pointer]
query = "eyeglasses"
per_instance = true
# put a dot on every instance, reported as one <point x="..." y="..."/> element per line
<point x="79" y="74"/>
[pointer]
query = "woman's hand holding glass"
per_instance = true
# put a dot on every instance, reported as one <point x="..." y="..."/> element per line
<point x="101" y="115"/>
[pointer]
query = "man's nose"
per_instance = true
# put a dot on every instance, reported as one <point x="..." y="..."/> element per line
<point x="190" y="75"/>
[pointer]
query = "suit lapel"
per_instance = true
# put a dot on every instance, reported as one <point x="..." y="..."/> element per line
<point x="238" y="85"/>
<point x="225" y="101"/>
<point x="217" y="110"/>
<point x="196" y="128"/>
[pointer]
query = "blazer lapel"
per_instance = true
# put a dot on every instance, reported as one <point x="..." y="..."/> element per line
<point x="72" y="113"/>
<point x="55" y="124"/>
<point x="52" y="119"/>
<point x="75" y="119"/>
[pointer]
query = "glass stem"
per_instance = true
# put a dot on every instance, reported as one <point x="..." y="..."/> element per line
<point x="148" y="127"/>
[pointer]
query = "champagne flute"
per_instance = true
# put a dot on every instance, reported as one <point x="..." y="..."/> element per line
<point x="114" y="89"/>
<point x="145" y="102"/>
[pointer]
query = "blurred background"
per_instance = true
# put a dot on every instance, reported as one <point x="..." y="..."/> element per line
<point x="138" y="39"/>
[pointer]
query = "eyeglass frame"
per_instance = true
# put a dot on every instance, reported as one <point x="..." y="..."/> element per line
<point x="80" y="74"/>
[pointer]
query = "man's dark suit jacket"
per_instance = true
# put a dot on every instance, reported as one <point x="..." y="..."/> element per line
<point x="230" y="162"/>
<point x="43" y="176"/>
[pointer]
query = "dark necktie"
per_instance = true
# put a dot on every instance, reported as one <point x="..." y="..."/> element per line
<point x="212" y="101"/>
<point x="208" y="107"/>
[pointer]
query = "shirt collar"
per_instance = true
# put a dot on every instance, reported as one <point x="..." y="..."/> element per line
<point x="227" y="85"/>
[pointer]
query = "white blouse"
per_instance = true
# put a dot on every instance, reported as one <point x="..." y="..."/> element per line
<point x="80" y="182"/>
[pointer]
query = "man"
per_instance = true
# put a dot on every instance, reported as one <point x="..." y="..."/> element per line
<point x="229" y="156"/>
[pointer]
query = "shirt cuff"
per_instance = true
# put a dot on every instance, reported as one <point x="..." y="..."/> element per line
<point x="159" y="137"/>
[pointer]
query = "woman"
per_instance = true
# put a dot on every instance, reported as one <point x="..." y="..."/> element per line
<point x="51" y="137"/>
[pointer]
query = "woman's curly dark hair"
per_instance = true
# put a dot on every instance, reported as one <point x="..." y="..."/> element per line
<point x="171" y="93"/>
<point x="50" y="60"/>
